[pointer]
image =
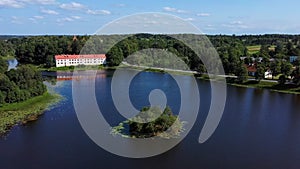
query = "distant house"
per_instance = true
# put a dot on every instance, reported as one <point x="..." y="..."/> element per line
<point x="259" y="59"/>
<point x="272" y="60"/>
<point x="268" y="74"/>
<point x="293" y="58"/>
<point x="251" y="69"/>
<point x="75" y="60"/>
<point x="243" y="58"/>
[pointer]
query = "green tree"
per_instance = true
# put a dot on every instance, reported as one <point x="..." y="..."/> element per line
<point x="22" y="84"/>
<point x="241" y="73"/>
<point x="149" y="129"/>
<point x="282" y="80"/>
<point x="296" y="76"/>
<point x="260" y="73"/>
<point x="114" y="56"/>
<point x="2" y="97"/>
<point x="3" y="65"/>
<point x="50" y="62"/>
<point x="5" y="83"/>
<point x="275" y="68"/>
<point x="76" y="47"/>
<point x="286" y="68"/>
<point x="7" y="48"/>
<point x="264" y="51"/>
<point x="279" y="49"/>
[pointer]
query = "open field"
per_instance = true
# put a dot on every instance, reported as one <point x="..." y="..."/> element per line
<point x="256" y="48"/>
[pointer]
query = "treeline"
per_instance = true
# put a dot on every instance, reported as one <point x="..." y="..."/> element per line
<point x="19" y="84"/>
<point x="152" y="56"/>
<point x="40" y="50"/>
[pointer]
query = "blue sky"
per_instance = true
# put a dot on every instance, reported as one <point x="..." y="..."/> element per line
<point x="210" y="16"/>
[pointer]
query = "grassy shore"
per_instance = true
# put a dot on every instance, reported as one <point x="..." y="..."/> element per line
<point x="273" y="86"/>
<point x="23" y="112"/>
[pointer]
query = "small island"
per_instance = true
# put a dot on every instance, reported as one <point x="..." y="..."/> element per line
<point x="146" y="125"/>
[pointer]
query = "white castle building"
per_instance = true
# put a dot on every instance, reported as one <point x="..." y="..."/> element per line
<point x="75" y="60"/>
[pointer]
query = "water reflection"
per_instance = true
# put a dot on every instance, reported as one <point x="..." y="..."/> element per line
<point x="66" y="76"/>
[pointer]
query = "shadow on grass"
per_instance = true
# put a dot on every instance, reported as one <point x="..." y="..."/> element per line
<point x="154" y="70"/>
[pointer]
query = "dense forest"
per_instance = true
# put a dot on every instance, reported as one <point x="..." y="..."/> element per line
<point x="19" y="84"/>
<point x="265" y="52"/>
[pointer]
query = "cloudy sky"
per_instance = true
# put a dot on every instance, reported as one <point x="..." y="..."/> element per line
<point x="210" y="16"/>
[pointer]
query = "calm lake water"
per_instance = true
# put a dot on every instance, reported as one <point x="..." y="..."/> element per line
<point x="259" y="129"/>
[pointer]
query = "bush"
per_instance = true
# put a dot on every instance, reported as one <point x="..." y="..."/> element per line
<point x="282" y="80"/>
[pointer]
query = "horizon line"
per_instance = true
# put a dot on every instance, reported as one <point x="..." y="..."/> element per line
<point x="208" y="34"/>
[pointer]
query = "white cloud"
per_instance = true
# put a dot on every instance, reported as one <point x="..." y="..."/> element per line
<point x="236" y="25"/>
<point x="120" y="5"/>
<point x="203" y="14"/>
<point x="72" y="6"/>
<point x="23" y="3"/>
<point x="49" y="12"/>
<point x="209" y="27"/>
<point x="35" y="19"/>
<point x="38" y="17"/>
<point x="66" y="19"/>
<point x="11" y="3"/>
<point x="16" y="20"/>
<point x="42" y="2"/>
<point x="170" y="9"/>
<point x="98" y="12"/>
<point x="189" y="19"/>
<point x="76" y="17"/>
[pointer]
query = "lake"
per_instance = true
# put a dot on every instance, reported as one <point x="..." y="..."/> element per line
<point x="259" y="129"/>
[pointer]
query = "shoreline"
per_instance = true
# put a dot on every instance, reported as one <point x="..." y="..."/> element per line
<point x="250" y="83"/>
<point x="26" y="111"/>
<point x="264" y="84"/>
<point x="271" y="86"/>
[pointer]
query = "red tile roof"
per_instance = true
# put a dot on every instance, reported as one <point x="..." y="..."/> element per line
<point x="92" y="56"/>
<point x="251" y="68"/>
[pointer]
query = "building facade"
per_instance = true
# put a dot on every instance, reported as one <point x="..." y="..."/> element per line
<point x="75" y="60"/>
